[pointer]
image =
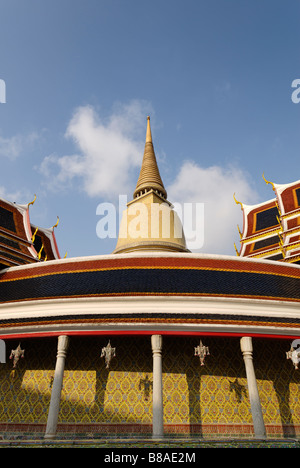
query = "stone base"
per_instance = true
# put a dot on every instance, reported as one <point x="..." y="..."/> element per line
<point x="93" y="431"/>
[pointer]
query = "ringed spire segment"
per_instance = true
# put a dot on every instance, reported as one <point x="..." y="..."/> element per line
<point x="149" y="178"/>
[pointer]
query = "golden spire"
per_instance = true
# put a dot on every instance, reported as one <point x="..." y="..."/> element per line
<point x="150" y="222"/>
<point x="149" y="177"/>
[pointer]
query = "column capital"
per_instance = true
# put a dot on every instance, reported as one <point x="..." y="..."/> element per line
<point x="62" y="345"/>
<point x="246" y="344"/>
<point x="156" y="342"/>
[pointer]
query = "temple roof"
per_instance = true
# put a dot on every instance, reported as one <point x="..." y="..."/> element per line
<point x="16" y="247"/>
<point x="18" y="244"/>
<point x="271" y="229"/>
<point x="45" y="243"/>
<point x="149" y="177"/>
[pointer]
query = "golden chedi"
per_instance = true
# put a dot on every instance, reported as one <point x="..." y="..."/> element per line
<point x="149" y="222"/>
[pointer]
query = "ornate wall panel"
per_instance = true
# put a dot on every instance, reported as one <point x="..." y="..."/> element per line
<point x="213" y="395"/>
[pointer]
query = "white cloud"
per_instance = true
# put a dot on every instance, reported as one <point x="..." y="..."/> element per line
<point x="21" y="197"/>
<point x="12" y="147"/>
<point x="214" y="186"/>
<point x="107" y="151"/>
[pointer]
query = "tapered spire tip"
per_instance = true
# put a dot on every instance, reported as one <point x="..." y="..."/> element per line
<point x="148" y="134"/>
<point x="149" y="175"/>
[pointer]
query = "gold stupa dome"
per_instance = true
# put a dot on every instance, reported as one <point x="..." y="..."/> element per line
<point x="149" y="222"/>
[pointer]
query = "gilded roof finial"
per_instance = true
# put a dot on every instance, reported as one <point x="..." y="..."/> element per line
<point x="241" y="235"/>
<point x="237" y="202"/>
<point x="33" y="201"/>
<point x="268" y="182"/>
<point x="35" y="233"/>
<point x="56" y="224"/>
<point x="40" y="252"/>
<point x="236" y="250"/>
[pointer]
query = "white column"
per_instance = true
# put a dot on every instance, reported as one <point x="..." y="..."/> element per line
<point x="62" y="347"/>
<point x="256" y="410"/>
<point x="158" y="413"/>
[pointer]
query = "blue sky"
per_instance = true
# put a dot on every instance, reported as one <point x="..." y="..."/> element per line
<point x="82" y="75"/>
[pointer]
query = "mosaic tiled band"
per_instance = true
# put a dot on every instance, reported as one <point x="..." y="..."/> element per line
<point x="151" y="276"/>
<point x="169" y="276"/>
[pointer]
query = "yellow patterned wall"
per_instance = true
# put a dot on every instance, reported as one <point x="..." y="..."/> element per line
<point x="214" y="394"/>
